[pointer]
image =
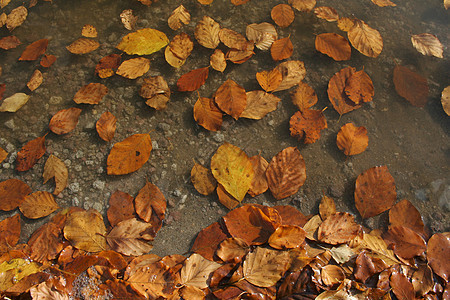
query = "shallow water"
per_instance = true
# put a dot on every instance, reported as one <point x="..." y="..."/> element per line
<point x="412" y="142"/>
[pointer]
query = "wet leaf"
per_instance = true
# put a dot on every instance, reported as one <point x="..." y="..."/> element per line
<point x="345" y="24"/>
<point x="120" y="208"/>
<point x="226" y="198"/>
<point x="205" y="2"/>
<point x="445" y="100"/>
<point x="133" y="68"/>
<point x="38" y="204"/>
<point x="203" y="180"/>
<point x="91" y="93"/>
<point x="352" y="140"/>
<point x="129" y="155"/>
<point x="172" y="59"/>
<point x="157" y="92"/>
<point x="35" y="80"/>
<point x="264" y="267"/>
<point x="307" y="124"/>
<point x="9" y="232"/>
<point x="130" y="237"/>
<point x="207" y="33"/>
<point x="365" y="39"/>
<point x="281" y="49"/>
<point x="106" y="126"/>
<point x="192" y="293"/>
<point x="293" y="72"/>
<point x="83" y="46"/>
<point x="383" y="3"/>
<point x="192" y="80"/>
<point x="326" y="13"/>
<point x="411" y="86"/>
<point x="359" y="87"/>
<point x="46" y="290"/>
<point x="4" y="3"/>
<point x="303" y="5"/>
<point x="14" y="102"/>
<point x="207" y="114"/>
<point x="405" y="214"/>
<point x="196" y="271"/>
<point x="364" y="267"/>
<point x="427" y="44"/>
<point x="178" y="17"/>
<point x="437" y="252"/>
<point x="377" y="246"/>
<point x="54" y="167"/>
<point x="374" y="191"/>
<point x="150" y="205"/>
<point x="181" y="46"/>
<point x="259" y="183"/>
<point x="238" y="56"/>
<point x="286" y="173"/>
<point x="422" y="280"/>
<point x="107" y="65"/>
<point x="147" y="2"/>
<point x="287" y="237"/>
<point x="232" y="250"/>
<point x="402" y="288"/>
<point x="336" y="87"/>
<point x="333" y="45"/>
<point x="89" y="31"/>
<point x="9" y="42"/>
<point x="282" y="15"/>
<point x="290" y="215"/>
<point x="3" y="155"/>
<point x="407" y="243"/>
<point x="217" y="60"/>
<point x="259" y="104"/>
<point x="338" y="228"/>
<point x="235" y="40"/>
<point x="30" y="153"/>
<point x="231" y="98"/>
<point x="143" y="42"/>
<point x="269" y="80"/>
<point x="128" y="19"/>
<point x="332" y="274"/>
<point x="65" y="120"/>
<point x="304" y="96"/>
<point x="327" y="207"/>
<point x="85" y="230"/>
<point x="16" y="17"/>
<point x="13" y="271"/>
<point x="208" y="239"/>
<point x="262" y="34"/>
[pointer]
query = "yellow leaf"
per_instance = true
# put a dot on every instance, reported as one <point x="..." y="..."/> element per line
<point x="207" y="32"/>
<point x="3" y="154"/>
<point x="38" y="204"/>
<point x="365" y="39"/>
<point x="143" y="42"/>
<point x="179" y="17"/>
<point x="14" y="103"/>
<point x="427" y="44"/>
<point x="445" y="100"/>
<point x="259" y="104"/>
<point x="133" y="68"/>
<point x="197" y="270"/>
<point x="15" y="270"/>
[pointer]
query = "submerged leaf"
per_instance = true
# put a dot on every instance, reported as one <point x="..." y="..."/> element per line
<point x="307" y="124"/>
<point x="352" y="140"/>
<point x="65" y="120"/>
<point x="427" y="44"/>
<point x="14" y="102"/>
<point x="411" y="86"/>
<point x="34" y="50"/>
<point x="196" y="271"/>
<point x="30" y="153"/>
<point x="143" y="42"/>
<point x="333" y="45"/>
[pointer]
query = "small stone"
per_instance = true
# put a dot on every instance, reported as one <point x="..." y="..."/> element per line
<point x="79" y="154"/>
<point x="9" y="148"/>
<point x="219" y="137"/>
<point x="55" y="100"/>
<point x="6" y="165"/>
<point x="97" y="206"/>
<point x="10" y="124"/>
<point x="154" y="145"/>
<point x="99" y="185"/>
<point x="421" y="194"/>
<point x="67" y="162"/>
<point x="74" y="187"/>
<point x="444" y="199"/>
<point x="183" y="199"/>
<point x="75" y="201"/>
<point x="176" y="193"/>
<point x="271" y="123"/>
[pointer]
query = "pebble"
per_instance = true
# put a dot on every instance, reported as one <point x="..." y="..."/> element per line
<point x="97" y="206"/>
<point x="219" y="137"/>
<point x="79" y="154"/>
<point x="55" y="100"/>
<point x="74" y="187"/>
<point x="176" y="193"/>
<point x="183" y="199"/>
<point x="444" y="199"/>
<point x="6" y="165"/>
<point x="155" y="145"/>
<point x="10" y="124"/>
<point x="421" y="194"/>
<point x="99" y="185"/>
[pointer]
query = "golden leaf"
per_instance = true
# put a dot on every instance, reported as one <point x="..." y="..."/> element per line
<point x="445" y="100"/>
<point x="383" y="3"/>
<point x="143" y="42"/>
<point x="172" y="59"/>
<point x="3" y="154"/>
<point x="203" y="180"/>
<point x="333" y="45"/>
<point x="207" y="32"/>
<point x="157" y="92"/>
<point x="83" y="46"/>
<point x="303" y="5"/>
<point x="196" y="271"/>
<point x="352" y="140"/>
<point x="91" y="93"/>
<point x="345" y="24"/>
<point x="338" y="228"/>
<point x="359" y="87"/>
<point x="259" y="183"/>
<point x="259" y="104"/>
<point x="181" y="45"/>
<point x="287" y="237"/>
<point x="427" y="44"/>
<point x="14" y="270"/>
<point x="14" y="102"/>
<point x="235" y="40"/>
<point x="89" y="31"/>
<point x="38" y="204"/>
<point x="293" y="72"/>
<point x="217" y="60"/>
<point x="179" y="17"/>
<point x="207" y="115"/>
<point x="282" y="15"/>
<point x="326" y="13"/>
<point x="365" y="39"/>
<point x="304" y="96"/>
<point x="133" y="68"/>
<point x="54" y="167"/>
<point x="269" y="80"/>
<point x="282" y="49"/>
<point x="35" y="80"/>
<point x="327" y="207"/>
<point x="231" y="98"/>
<point x="262" y="34"/>
<point x="130" y="237"/>
<point x="16" y="17"/>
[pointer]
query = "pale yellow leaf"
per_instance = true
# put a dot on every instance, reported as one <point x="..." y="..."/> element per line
<point x="14" y="103"/>
<point x="262" y="34"/>
<point x="133" y="68"/>
<point x="259" y="104"/>
<point x="445" y="100"/>
<point x="207" y="32"/>
<point x="365" y="39"/>
<point x="143" y="42"/>
<point x="196" y="271"/>
<point x="427" y="44"/>
<point x="16" y="17"/>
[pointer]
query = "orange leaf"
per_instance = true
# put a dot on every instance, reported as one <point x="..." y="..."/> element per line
<point x="47" y="60"/>
<point x="411" y="86"/>
<point x="332" y="274"/>
<point x="28" y="156"/>
<point x="232" y="250"/>
<point x="9" y="232"/>
<point x="287" y="237"/>
<point x="327" y="207"/>
<point x="239" y="2"/>
<point x="12" y="193"/>
<point x="207" y="115"/>
<point x="235" y="40"/>
<point x="193" y="80"/>
<point x="259" y="183"/>
<point x="203" y="179"/>
<point x="326" y="13"/>
<point x="286" y="173"/>
<point x="38" y="204"/>
<point x="35" y="80"/>
<point x="336" y="94"/>
<point x="130" y="237"/>
<point x="281" y="49"/>
<point x="208" y="239"/>
<point x="133" y="68"/>
<point x="293" y="71"/>
<point x="207" y="32"/>
<point x="3" y="154"/>
<point x="338" y="228"/>
<point x="107" y="65"/>
<point x="383" y="3"/>
<point x="226" y="198"/>
<point x="282" y="15"/>
<point x="129" y="155"/>
<point x="239" y="56"/>
<point x="106" y="126"/>
<point x="65" y="120"/>
<point x="303" y="5"/>
<point x="181" y="46"/>
<point x="407" y="243"/>
<point x="333" y="45"/>
<point x="9" y="42"/>
<point x="307" y="124"/>
<point x="157" y="92"/>
<point x="364" y="267"/>
<point x="54" y="167"/>
<point x="154" y="281"/>
<point x="437" y="254"/>
<point x="259" y="104"/>
<point x="269" y="80"/>
<point x="352" y="140"/>
<point x="34" y="50"/>
<point x="304" y="96"/>
<point x="231" y="98"/>
<point x="83" y="46"/>
<point x="91" y="93"/>
<point x="405" y="214"/>
<point x="150" y="205"/>
<point x="290" y="215"/>
<point x="217" y="60"/>
<point x="359" y="87"/>
<point x="374" y="191"/>
<point x="120" y="207"/>
<point x="89" y="31"/>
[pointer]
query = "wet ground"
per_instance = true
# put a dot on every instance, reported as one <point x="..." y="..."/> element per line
<point x="413" y="142"/>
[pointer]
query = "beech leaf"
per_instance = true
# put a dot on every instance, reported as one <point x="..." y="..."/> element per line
<point x="38" y="204"/>
<point x="65" y="120"/>
<point x="130" y="237"/>
<point x="143" y="42"/>
<point x="54" y="167"/>
<point x="196" y="271"/>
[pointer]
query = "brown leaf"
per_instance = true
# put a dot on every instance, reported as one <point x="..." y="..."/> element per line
<point x="282" y="15"/>
<point x="235" y="40"/>
<point x="231" y="98"/>
<point x="172" y="59"/>
<point x="217" y="60"/>
<point x="333" y="45"/>
<point x="12" y="193"/>
<point x="47" y="60"/>
<point x="259" y="183"/>
<point x="193" y="80"/>
<point x="208" y="239"/>
<point x="83" y="46"/>
<point x="157" y="92"/>
<point x="232" y="250"/>
<point x="89" y="31"/>
<point x="327" y="207"/>
<point x="9" y="232"/>
<point x="203" y="180"/>
<point x="303" y="5"/>
<point x="181" y="45"/>
<point x="411" y="86"/>
<point x="178" y="17"/>
<point x="207" y="32"/>
<point x="326" y="13"/>
<point x="120" y="208"/>
<point x="128" y="19"/>
<point x="239" y="56"/>
<point x="437" y="253"/>
<point x="374" y="191"/>
<point x="269" y="80"/>
<point x="130" y="237"/>
<point x="364" y="267"/>
<point x="3" y="154"/>
<point x="359" y="87"/>
<point x="106" y="126"/>
<point x="281" y="49"/>
<point x="383" y="3"/>
<point x="150" y="205"/>
<point x="407" y="243"/>
<point x="259" y="104"/>
<point x="207" y="114"/>
<point x="133" y="68"/>
<point x="107" y="65"/>
<point x="147" y="2"/>
<point x="445" y="100"/>
<point x="405" y="214"/>
<point x="422" y="280"/>
<point x="293" y="72"/>
<point x="129" y="155"/>
<point x="262" y="34"/>
<point x="427" y="44"/>
<point x="91" y="93"/>
<point x="34" y="50"/>
<point x="352" y="140"/>
<point x="65" y="120"/>
<point x="291" y="216"/>
<point x="205" y="2"/>
<point x="38" y="204"/>
<point x="294" y="284"/>
<point x="196" y="271"/>
<point x="365" y="39"/>
<point x="307" y="124"/>
<point x="401" y="287"/>
<point x="287" y="237"/>
<point x="304" y="96"/>
<point x="345" y="24"/>
<point x="338" y="228"/>
<point x="336" y="94"/>
<point x="30" y="153"/>
<point x="47" y="290"/>
<point x="239" y="2"/>
<point x="54" y="167"/>
<point x="9" y="42"/>
<point x="16" y="17"/>
<point x="286" y="173"/>
<point x="226" y="198"/>
<point x="35" y="80"/>
<point x="192" y="293"/>
<point x="332" y="274"/>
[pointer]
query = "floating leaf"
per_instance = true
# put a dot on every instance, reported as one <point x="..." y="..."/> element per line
<point x="83" y="46"/>
<point x="178" y="17"/>
<point x="327" y="207"/>
<point x="38" y="204"/>
<point x="143" y="42"/>
<point x="235" y="40"/>
<point x="120" y="208"/>
<point x="203" y="179"/>
<point x="207" y="32"/>
<point x="65" y="120"/>
<point x="422" y="280"/>
<point x="30" y="153"/>
<point x="437" y="254"/>
<point x="128" y="19"/>
<point x="130" y="237"/>
<point x="307" y="124"/>
<point x="336" y="94"/>
<point x="281" y="49"/>
<point x="15" y="270"/>
<point x="207" y="115"/>
<point x="107" y="65"/>
<point x="326" y="13"/>
<point x="338" y="228"/>
<point x="259" y="183"/>
<point x="259" y="104"/>
<point x="157" y="92"/>
<point x="445" y="100"/>
<point x="304" y="96"/>
<point x="352" y="140"/>
<point x="12" y="193"/>
<point x="150" y="205"/>
<point x="427" y="44"/>
<point x="129" y="155"/>
<point x="208" y="239"/>
<point x="54" y="167"/>
<point x="193" y="80"/>
<point x="231" y="98"/>
<point x="106" y="126"/>
<point x="293" y="72"/>
<point x="411" y="86"/>
<point x="364" y="267"/>
<point x="9" y="232"/>
<point x="282" y="15"/>
<point x="359" y="87"/>
<point x="286" y="173"/>
<point x="9" y="42"/>
<point x="196" y="271"/>
<point x="365" y="39"/>
<point x="383" y="3"/>
<point x="333" y="45"/>
<point x="14" y="102"/>
<point x="91" y="93"/>
<point x="269" y="80"/>
<point x="303" y="5"/>
<point x="407" y="243"/>
<point x="89" y="31"/>
<point x="217" y="60"/>
<point x="133" y="68"/>
<point x="16" y="17"/>
<point x="287" y="237"/>
<point x="262" y="34"/>
<point x="405" y="214"/>
<point x="290" y="215"/>
<point x="35" y="80"/>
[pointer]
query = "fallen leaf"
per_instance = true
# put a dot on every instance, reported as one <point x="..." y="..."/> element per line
<point x="203" y="179"/>
<point x="46" y="290"/>
<point x="150" y="205"/>
<point x="327" y="207"/>
<point x="208" y="239"/>
<point x="374" y="191"/>
<point x="226" y="198"/>
<point x="120" y="208"/>
<point x="178" y="17"/>
<point x="106" y="126"/>
<point x="232" y="168"/>
<point x="14" y="102"/>
<point x="54" y="167"/>
<point x="286" y="173"/>
<point x="30" y="153"/>
<point x="307" y="124"/>
<point x="359" y="87"/>
<point x="235" y="40"/>
<point x="129" y="155"/>
<point x="281" y="49"/>
<point x="259" y="183"/>
<point x="207" y="33"/>
<point x="304" y="96"/>
<point x="333" y="45"/>
<point x="192" y="293"/>
<point x="196" y="271"/>
<point x="445" y="100"/>
<point x="143" y="42"/>
<point x="293" y="284"/>
<point x="437" y="254"/>
<point x="407" y="243"/>
<point x="377" y="246"/>
<point x="128" y="19"/>
<point x="83" y="46"/>
<point x="332" y="274"/>
<point x="15" y="270"/>
<point x="217" y="60"/>
<point x="411" y="86"/>
<point x="133" y="68"/>
<point x="65" y="120"/>
<point x="262" y="34"/>
<point x="342" y="253"/>
<point x="85" y="230"/>
<point x="303" y="5"/>
<point x="2" y="87"/>
<point x="338" y="228"/>
<point x="16" y="17"/>
<point x="130" y="237"/>
<point x="107" y="65"/>
<point x="290" y="215"/>
<point x="38" y="204"/>
<point x="231" y="98"/>
<point x="326" y="13"/>
<point x="383" y="3"/>
<point x="89" y="31"/>
<point x="9" y="42"/>
<point x="259" y="104"/>
<point x="232" y="250"/>
<point x="293" y="72"/>
<point x="365" y="39"/>
<point x="156" y="90"/>
<point x="9" y="232"/>
<point x="147" y="2"/>
<point x="172" y="59"/>
<point x="269" y="80"/>
<point x="345" y="24"/>
<point x="181" y="46"/>
<point x="205" y="2"/>
<point x="287" y="237"/>
<point x="336" y="87"/>
<point x="282" y="15"/>
<point x="192" y="80"/>
<point x="239" y="2"/>
<point x="238" y="56"/>
<point x="401" y="286"/>
<point x="352" y="140"/>
<point x="422" y="280"/>
<point x="91" y="93"/>
<point x="3" y="154"/>
<point x="4" y="3"/>
<point x="446" y="4"/>
<point x="35" y="80"/>
<point x="207" y="114"/>
<point x="405" y="214"/>
<point x="364" y="267"/>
